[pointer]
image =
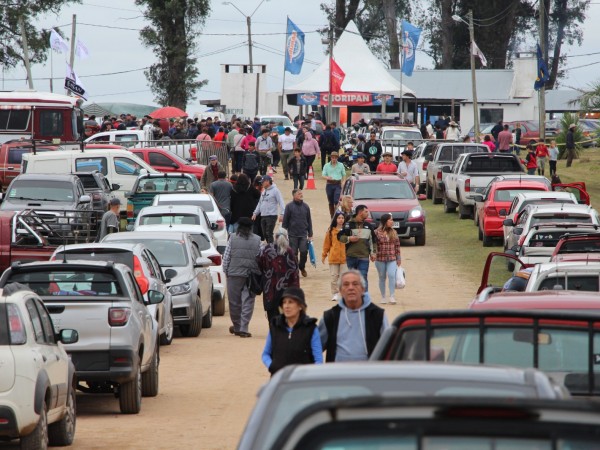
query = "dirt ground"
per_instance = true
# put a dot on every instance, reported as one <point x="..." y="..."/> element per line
<point x="208" y="384"/>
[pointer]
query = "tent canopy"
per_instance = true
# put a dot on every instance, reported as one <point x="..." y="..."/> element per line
<point x="364" y="72"/>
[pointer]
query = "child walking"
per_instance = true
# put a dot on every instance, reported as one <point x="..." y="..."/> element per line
<point x="336" y="251"/>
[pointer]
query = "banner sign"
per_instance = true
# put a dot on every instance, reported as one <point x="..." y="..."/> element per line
<point x="294" y="48"/>
<point x="345" y="99"/>
<point x="410" y="40"/>
<point x="73" y="83"/>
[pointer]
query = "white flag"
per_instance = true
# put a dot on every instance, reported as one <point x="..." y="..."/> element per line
<point x="57" y="43"/>
<point x="476" y="52"/>
<point x="81" y="50"/>
<point x="73" y="83"/>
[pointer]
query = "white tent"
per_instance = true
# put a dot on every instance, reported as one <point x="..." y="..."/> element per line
<point x="364" y="72"/>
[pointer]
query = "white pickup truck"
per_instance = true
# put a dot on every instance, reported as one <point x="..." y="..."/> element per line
<point x="470" y="175"/>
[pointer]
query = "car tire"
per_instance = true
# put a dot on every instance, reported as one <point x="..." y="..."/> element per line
<point x="208" y="318"/>
<point x="218" y="304"/>
<point x="194" y="328"/>
<point x="435" y="196"/>
<point x="130" y="394"/>
<point x="449" y="205"/>
<point x="479" y="234"/>
<point x="486" y="240"/>
<point x="150" y="377"/>
<point x="463" y="211"/>
<point x="62" y="433"/>
<point x="167" y="337"/>
<point x="428" y="191"/>
<point x="38" y="438"/>
<point x="420" y="240"/>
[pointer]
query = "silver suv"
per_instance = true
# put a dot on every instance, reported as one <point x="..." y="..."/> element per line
<point x="118" y="346"/>
<point x="37" y="395"/>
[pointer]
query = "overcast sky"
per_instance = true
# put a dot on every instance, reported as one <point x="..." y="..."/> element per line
<point x="110" y="30"/>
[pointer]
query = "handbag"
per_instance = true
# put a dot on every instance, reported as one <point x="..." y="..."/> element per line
<point x="255" y="283"/>
<point x="400" y="278"/>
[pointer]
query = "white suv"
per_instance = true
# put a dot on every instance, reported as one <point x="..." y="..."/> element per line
<point x="37" y="395"/>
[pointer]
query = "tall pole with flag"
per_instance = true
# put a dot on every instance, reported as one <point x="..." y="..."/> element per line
<point x="474" y="50"/>
<point x="542" y="91"/>
<point x="293" y="53"/>
<point x="410" y="40"/>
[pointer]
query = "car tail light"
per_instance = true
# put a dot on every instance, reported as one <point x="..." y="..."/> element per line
<point x="130" y="210"/>
<point x="425" y="164"/>
<point x="439" y="175"/>
<point x="138" y="273"/>
<point x="490" y="211"/>
<point x="467" y="185"/>
<point x="219" y="277"/>
<point x="194" y="153"/>
<point x="220" y="224"/>
<point x="15" y="325"/>
<point x="118" y="317"/>
<point x="216" y="259"/>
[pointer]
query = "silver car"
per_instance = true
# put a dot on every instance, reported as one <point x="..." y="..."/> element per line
<point x="188" y="277"/>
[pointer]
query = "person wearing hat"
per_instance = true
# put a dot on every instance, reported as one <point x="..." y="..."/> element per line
<point x="334" y="173"/>
<point x="293" y="336"/>
<point x="110" y="219"/>
<point x="360" y="166"/>
<point x="279" y="268"/>
<point x="285" y="144"/>
<point x="408" y="169"/>
<point x="211" y="173"/>
<point x="239" y="261"/>
<point x="570" y="144"/>
<point x="387" y="166"/>
<point x="452" y="132"/>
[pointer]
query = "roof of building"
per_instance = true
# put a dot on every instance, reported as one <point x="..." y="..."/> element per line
<point x="115" y="109"/>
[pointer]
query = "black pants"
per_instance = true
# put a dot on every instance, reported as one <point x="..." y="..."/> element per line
<point x="310" y="160"/>
<point x="267" y="224"/>
<point x="324" y="157"/>
<point x="552" y="167"/>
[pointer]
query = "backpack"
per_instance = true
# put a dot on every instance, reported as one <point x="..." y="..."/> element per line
<point x="250" y="162"/>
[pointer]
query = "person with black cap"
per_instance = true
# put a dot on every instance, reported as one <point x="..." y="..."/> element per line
<point x="373" y="151"/>
<point x="110" y="220"/>
<point x="293" y="336"/>
<point x="408" y="169"/>
<point x="360" y="166"/>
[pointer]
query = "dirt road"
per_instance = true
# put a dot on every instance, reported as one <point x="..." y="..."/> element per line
<point x="208" y="384"/>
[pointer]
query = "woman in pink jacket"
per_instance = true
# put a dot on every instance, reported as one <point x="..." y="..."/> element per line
<point x="310" y="149"/>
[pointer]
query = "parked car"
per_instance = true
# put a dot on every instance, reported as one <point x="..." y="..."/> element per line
<point x="498" y="196"/>
<point x="394" y="139"/>
<point x="208" y="204"/>
<point x="96" y="185"/>
<point x="470" y="175"/>
<point x="265" y="121"/>
<point x="11" y="157"/>
<point x="37" y="395"/>
<point x="577" y="247"/>
<point x="530" y="130"/>
<point x="423" y="150"/>
<point x="544" y="214"/>
<point x="117" y="350"/>
<point x="297" y="387"/>
<point x="190" y="282"/>
<point x="145" y="268"/>
<point x="389" y="194"/>
<point x="444" y="155"/>
<point x="166" y="161"/>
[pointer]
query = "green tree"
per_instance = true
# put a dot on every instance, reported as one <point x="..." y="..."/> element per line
<point x="590" y="100"/>
<point x="11" y="46"/>
<point x="171" y="34"/>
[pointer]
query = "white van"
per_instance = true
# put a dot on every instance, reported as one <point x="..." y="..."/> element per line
<point x="118" y="166"/>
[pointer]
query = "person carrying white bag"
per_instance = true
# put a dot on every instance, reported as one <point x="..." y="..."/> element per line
<point x="388" y="257"/>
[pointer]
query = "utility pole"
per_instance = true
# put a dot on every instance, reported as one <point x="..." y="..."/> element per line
<point x="473" y="77"/>
<point x="329" y="100"/>
<point x="73" y="26"/>
<point x="249" y="23"/>
<point x="25" y="52"/>
<point x="542" y="91"/>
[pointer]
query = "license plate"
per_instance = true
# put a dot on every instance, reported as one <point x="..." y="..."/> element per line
<point x="396" y="224"/>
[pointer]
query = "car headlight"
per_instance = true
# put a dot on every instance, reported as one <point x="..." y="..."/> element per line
<point x="63" y="220"/>
<point x="180" y="289"/>
<point x="415" y="213"/>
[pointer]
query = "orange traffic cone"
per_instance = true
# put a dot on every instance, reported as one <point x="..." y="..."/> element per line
<point x="310" y="183"/>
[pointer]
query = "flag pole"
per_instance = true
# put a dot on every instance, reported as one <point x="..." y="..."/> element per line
<point x="402" y="60"/>
<point x="51" y="71"/>
<point x="284" y="56"/>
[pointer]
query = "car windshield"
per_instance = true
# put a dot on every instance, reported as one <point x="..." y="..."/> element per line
<point x="98" y="254"/>
<point x="507" y="195"/>
<point x="166" y="184"/>
<point x="452" y="152"/>
<point x="168" y="252"/>
<point x="491" y="164"/>
<point x="169" y="219"/>
<point x="66" y="282"/>
<point x="398" y="190"/>
<point x="41" y="190"/>
<point x="206" y="205"/>
<point x="541" y="201"/>
<point x="402" y="134"/>
<point x="560" y="218"/>
<point x="89" y="181"/>
<point x="582" y="246"/>
<point x="286" y="121"/>
<point x="571" y="283"/>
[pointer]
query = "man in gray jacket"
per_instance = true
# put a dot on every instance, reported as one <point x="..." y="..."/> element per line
<point x="270" y="207"/>
<point x="298" y="223"/>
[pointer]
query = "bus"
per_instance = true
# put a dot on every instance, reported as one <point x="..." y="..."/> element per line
<point x="40" y="116"/>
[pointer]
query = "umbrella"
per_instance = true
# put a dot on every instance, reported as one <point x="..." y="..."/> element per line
<point x="167" y="112"/>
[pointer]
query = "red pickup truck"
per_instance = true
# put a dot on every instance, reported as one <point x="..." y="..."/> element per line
<point x="11" y="155"/>
<point x="165" y="161"/>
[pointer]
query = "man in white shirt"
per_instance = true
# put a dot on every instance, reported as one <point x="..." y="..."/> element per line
<point x="286" y="147"/>
<point x="408" y="169"/>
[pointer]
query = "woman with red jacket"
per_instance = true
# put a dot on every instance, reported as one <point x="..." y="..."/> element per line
<point x="542" y="155"/>
<point x="530" y="160"/>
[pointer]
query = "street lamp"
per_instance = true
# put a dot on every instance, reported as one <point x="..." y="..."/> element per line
<point x="249" y="24"/>
<point x="457" y="18"/>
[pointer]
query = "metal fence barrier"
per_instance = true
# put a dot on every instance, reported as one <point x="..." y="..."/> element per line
<point x="217" y="148"/>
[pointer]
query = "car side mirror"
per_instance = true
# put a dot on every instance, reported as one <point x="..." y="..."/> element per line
<point x="174" y="166"/>
<point x="170" y="274"/>
<point x="508" y="223"/>
<point x="201" y="261"/>
<point x="67" y="336"/>
<point x="128" y="194"/>
<point x="85" y="199"/>
<point x="115" y="187"/>
<point x="518" y="231"/>
<point x="155" y="297"/>
<point x="477" y="198"/>
<point x="447" y="169"/>
<point x="502" y="212"/>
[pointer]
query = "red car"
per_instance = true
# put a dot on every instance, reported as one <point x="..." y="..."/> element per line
<point x="499" y="195"/>
<point x="165" y="161"/>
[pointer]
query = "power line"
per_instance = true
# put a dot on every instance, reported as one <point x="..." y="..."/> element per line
<point x="200" y="33"/>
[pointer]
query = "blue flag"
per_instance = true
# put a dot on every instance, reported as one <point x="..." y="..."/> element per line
<point x="543" y="75"/>
<point x="294" y="48"/>
<point x="410" y="39"/>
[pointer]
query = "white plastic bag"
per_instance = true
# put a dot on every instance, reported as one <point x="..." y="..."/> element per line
<point x="400" y="278"/>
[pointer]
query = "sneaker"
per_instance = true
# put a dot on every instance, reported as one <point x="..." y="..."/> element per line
<point x="334" y="298"/>
<point x="392" y="300"/>
<point x="303" y="272"/>
<point x="287" y="178"/>
<point x="383" y="301"/>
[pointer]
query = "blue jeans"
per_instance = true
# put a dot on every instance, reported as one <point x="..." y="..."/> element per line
<point x="360" y="264"/>
<point x="386" y="268"/>
<point x="333" y="191"/>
